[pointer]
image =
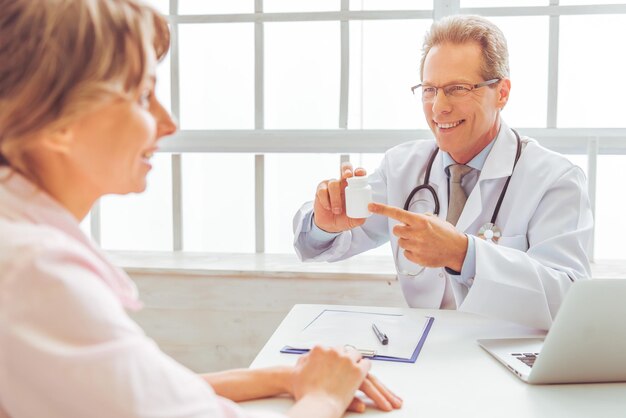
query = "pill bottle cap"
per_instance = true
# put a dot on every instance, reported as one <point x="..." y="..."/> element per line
<point x="357" y="181"/>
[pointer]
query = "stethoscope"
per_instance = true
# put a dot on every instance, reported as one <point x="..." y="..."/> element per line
<point x="488" y="231"/>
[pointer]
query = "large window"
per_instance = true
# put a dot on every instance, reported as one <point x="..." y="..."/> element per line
<point x="272" y="94"/>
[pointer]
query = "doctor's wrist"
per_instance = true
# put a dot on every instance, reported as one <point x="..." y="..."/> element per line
<point x="459" y="251"/>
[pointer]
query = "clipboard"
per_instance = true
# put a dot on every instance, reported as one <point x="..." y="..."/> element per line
<point x="337" y="322"/>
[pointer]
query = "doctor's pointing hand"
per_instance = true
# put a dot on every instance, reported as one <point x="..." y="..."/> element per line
<point x="425" y="239"/>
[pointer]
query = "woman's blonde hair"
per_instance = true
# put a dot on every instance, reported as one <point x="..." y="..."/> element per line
<point x="460" y="29"/>
<point x="60" y="58"/>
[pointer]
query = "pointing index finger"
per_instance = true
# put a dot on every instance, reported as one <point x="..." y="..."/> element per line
<point x="392" y="212"/>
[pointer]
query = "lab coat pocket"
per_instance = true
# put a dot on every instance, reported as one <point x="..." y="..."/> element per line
<point x="519" y="242"/>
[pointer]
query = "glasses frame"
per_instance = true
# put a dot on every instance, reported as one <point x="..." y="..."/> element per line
<point x="443" y="88"/>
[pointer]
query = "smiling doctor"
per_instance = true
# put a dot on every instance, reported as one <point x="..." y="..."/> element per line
<point x="481" y="219"/>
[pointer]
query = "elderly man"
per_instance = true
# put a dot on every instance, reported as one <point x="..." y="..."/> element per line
<point x="498" y="225"/>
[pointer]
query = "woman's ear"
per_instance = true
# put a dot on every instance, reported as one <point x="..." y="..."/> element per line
<point x="59" y="140"/>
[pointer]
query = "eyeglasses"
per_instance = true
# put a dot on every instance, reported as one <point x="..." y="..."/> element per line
<point x="451" y="91"/>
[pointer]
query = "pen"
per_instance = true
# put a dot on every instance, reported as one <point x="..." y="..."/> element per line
<point x="384" y="340"/>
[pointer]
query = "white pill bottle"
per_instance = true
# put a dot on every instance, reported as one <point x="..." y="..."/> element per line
<point x="358" y="196"/>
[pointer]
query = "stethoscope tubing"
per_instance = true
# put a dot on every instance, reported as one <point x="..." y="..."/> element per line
<point x="426" y="184"/>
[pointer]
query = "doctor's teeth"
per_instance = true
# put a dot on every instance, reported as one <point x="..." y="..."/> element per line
<point x="448" y="125"/>
<point x="148" y="155"/>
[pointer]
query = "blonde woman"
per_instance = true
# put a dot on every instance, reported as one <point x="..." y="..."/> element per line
<point x="78" y="120"/>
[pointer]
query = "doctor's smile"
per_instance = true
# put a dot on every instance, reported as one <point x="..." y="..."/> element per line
<point x="449" y="125"/>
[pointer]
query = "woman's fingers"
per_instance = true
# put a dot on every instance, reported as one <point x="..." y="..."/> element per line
<point x="394" y="400"/>
<point x="356" y="405"/>
<point x="375" y="395"/>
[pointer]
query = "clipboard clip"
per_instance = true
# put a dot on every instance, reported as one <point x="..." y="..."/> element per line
<point x="364" y="353"/>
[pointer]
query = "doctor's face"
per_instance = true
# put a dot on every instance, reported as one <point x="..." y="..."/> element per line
<point x="463" y="126"/>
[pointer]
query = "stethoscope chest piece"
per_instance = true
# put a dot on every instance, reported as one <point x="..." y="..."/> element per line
<point x="490" y="232"/>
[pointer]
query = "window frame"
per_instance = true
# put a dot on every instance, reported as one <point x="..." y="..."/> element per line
<point x="589" y="141"/>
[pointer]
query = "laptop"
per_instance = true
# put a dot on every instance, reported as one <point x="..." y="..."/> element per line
<point x="587" y="341"/>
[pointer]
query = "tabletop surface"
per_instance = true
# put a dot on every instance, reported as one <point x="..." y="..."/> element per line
<point x="453" y="376"/>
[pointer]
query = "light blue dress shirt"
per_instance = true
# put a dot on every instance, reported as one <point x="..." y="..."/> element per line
<point x="468" y="182"/>
<point x="468" y="270"/>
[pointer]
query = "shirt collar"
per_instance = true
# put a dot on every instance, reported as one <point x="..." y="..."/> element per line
<point x="24" y="202"/>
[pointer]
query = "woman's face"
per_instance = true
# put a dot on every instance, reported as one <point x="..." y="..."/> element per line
<point x="113" y="144"/>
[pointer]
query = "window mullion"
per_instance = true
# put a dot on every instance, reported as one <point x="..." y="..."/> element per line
<point x="345" y="68"/>
<point x="443" y="8"/>
<point x="177" y="202"/>
<point x="593" y="147"/>
<point x="259" y="124"/>
<point x="176" y="160"/>
<point x="95" y="223"/>
<point x="553" y="69"/>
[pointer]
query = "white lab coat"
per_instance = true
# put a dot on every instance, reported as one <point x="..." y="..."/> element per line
<point x="545" y="219"/>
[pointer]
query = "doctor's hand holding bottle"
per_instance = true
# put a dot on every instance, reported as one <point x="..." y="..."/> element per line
<point x="329" y="210"/>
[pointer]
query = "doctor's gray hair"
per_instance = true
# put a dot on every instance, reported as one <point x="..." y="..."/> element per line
<point x="62" y="58"/>
<point x="462" y="29"/>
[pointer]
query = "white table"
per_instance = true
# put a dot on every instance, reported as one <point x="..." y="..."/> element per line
<point x="453" y="376"/>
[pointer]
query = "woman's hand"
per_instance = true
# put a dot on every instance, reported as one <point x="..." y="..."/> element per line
<point x="333" y="375"/>
<point x="382" y="397"/>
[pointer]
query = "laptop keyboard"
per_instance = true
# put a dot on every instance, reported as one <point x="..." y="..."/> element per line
<point x="526" y="358"/>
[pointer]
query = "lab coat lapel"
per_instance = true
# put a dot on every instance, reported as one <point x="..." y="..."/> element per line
<point x="500" y="160"/>
<point x="499" y="164"/>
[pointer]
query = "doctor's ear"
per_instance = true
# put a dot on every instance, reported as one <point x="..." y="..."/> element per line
<point x="504" y="89"/>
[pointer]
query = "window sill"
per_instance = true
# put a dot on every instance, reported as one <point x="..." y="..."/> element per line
<point x="246" y="265"/>
<point x="366" y="267"/>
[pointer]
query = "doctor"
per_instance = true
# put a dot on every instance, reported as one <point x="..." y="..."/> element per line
<point x="501" y="225"/>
